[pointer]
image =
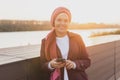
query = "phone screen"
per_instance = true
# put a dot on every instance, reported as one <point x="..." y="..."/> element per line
<point x="60" y="60"/>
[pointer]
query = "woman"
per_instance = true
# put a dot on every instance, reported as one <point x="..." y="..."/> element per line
<point x="60" y="43"/>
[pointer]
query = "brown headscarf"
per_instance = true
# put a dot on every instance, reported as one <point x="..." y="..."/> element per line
<point x="57" y="11"/>
<point x="50" y="43"/>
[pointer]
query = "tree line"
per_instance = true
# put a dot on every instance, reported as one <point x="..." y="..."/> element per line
<point x="34" y="25"/>
<point x="23" y="25"/>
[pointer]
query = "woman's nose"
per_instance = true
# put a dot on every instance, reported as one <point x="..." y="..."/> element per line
<point x="62" y="22"/>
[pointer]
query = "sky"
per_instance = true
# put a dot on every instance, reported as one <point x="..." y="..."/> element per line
<point x="83" y="11"/>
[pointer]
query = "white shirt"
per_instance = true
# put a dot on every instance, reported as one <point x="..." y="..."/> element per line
<point x="63" y="44"/>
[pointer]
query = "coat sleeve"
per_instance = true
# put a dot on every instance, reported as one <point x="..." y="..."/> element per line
<point x="84" y="61"/>
<point x="43" y="61"/>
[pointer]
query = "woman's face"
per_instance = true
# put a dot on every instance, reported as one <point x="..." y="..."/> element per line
<point x="61" y="23"/>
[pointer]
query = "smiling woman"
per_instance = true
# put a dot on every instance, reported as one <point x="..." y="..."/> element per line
<point x="61" y="43"/>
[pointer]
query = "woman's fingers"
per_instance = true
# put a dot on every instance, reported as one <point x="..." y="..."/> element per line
<point x="60" y="64"/>
<point x="55" y="64"/>
<point x="69" y="64"/>
<point x="52" y="63"/>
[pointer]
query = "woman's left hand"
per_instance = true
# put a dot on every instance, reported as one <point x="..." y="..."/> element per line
<point x="69" y="64"/>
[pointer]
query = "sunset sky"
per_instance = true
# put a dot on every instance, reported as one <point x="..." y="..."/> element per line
<point x="83" y="11"/>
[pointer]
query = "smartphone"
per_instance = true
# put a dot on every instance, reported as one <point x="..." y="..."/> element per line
<point x="60" y="60"/>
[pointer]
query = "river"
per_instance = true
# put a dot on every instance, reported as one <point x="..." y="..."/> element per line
<point x="13" y="39"/>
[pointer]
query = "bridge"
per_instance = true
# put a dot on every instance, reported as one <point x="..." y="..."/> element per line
<point x="23" y="63"/>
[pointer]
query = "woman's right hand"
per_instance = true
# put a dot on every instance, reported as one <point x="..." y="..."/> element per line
<point x="55" y="64"/>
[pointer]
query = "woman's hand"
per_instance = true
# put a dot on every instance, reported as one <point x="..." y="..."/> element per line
<point x="55" y="64"/>
<point x="70" y="64"/>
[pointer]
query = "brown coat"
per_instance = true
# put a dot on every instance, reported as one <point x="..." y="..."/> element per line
<point x="77" y="53"/>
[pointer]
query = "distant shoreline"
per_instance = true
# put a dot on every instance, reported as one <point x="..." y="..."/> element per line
<point x="34" y="25"/>
<point x="116" y="32"/>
